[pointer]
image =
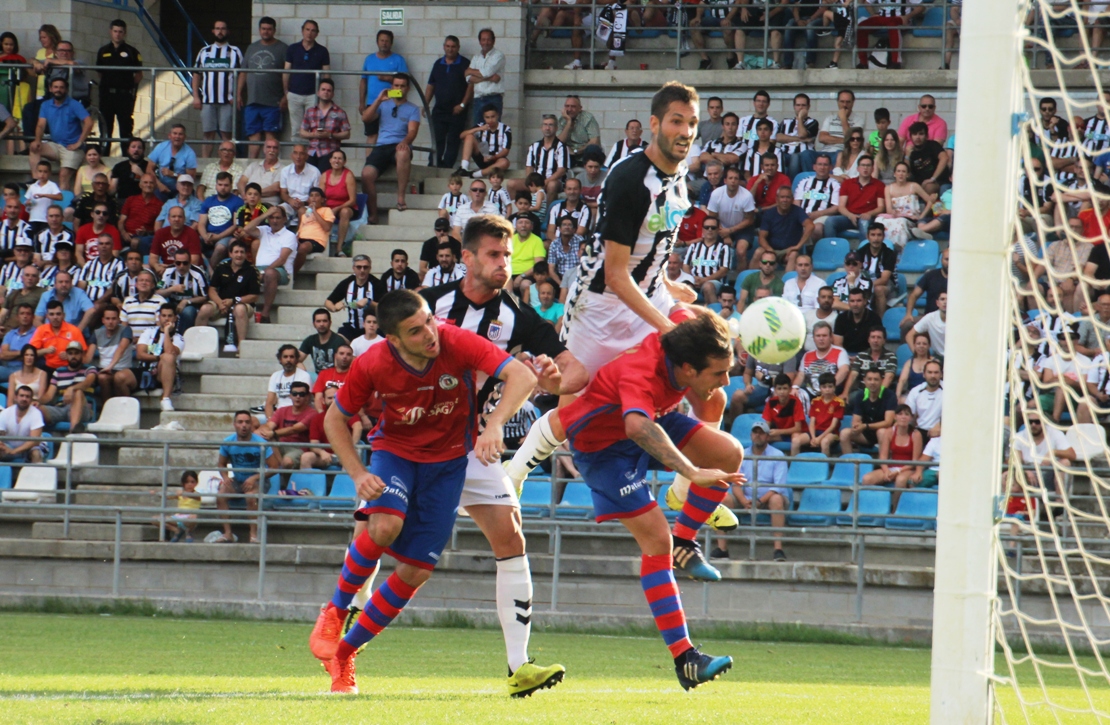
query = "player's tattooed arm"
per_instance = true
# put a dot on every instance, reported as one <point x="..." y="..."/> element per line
<point x="652" y="438"/>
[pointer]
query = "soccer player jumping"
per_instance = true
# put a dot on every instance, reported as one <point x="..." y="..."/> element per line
<point x="621" y="294"/>
<point x="425" y="375"/>
<point x="625" y="423"/>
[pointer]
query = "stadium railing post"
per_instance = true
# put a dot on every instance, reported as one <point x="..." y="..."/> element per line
<point x="116" y="552"/>
<point x="859" y="575"/>
<point x="555" y="568"/>
<point x="594" y="10"/>
<point x="982" y="224"/>
<point x="261" y="553"/>
<point x="165" y="490"/>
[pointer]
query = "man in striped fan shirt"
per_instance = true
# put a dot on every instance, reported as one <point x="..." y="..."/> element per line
<point x="185" y="285"/>
<point x="572" y="206"/>
<point x="796" y="135"/>
<point x="214" y="91"/>
<point x="12" y="271"/>
<point x="621" y="293"/>
<point x="449" y="268"/>
<point x="747" y="127"/>
<point x="125" y="286"/>
<point x="399" y="276"/>
<point x="549" y="157"/>
<point x="1096" y="130"/>
<point x="728" y="147"/>
<point x="751" y="163"/>
<point x="12" y="228"/>
<point x="54" y="233"/>
<point x="98" y="274"/>
<point x="708" y="260"/>
<point x="486" y="146"/>
<point x="631" y="143"/>
<point x="354" y="294"/>
<point x="819" y="195"/>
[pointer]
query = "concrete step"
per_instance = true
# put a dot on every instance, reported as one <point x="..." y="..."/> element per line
<point x="180" y="456"/>
<point x="309" y="298"/>
<point x="421" y="218"/>
<point x="210" y="403"/>
<point x="207" y="421"/>
<point x="95" y="532"/>
<point x="230" y="366"/>
<point x="301" y="314"/>
<point x="414" y="201"/>
<point x="379" y="250"/>
<point x="394" y="233"/>
<point x="94" y="495"/>
<point x="282" y="333"/>
<point x="234" y="384"/>
<point x="262" y="349"/>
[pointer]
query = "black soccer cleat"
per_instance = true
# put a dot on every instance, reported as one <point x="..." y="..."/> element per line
<point x="688" y="559"/>
<point x="694" y="668"/>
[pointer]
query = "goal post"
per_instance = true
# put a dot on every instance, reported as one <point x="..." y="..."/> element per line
<point x="983" y="215"/>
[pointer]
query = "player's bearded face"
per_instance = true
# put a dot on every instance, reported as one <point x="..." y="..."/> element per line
<point x="490" y="264"/>
<point x="418" y="336"/>
<point x="676" y="131"/>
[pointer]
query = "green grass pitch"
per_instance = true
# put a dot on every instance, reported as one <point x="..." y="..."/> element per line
<point x="113" y="670"/>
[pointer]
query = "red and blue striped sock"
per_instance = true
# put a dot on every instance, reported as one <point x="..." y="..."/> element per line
<point x="358" y="566"/>
<point x="387" y="602"/>
<point x="661" y="590"/>
<point x="701" y="502"/>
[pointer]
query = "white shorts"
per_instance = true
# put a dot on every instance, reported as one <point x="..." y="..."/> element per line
<point x="486" y="485"/>
<point x="603" y="327"/>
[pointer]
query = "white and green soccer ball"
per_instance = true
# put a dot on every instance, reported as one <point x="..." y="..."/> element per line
<point x="772" y="329"/>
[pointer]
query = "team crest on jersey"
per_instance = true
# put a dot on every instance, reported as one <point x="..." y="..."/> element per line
<point x="495" y="329"/>
<point x="448" y="382"/>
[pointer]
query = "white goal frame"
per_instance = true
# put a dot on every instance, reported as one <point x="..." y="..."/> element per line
<point x="983" y="214"/>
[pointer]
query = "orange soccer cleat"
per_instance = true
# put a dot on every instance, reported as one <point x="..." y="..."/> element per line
<point x="343" y="675"/>
<point x="326" y="633"/>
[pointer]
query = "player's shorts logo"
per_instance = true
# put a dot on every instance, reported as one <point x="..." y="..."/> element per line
<point x="450" y="382"/>
<point x="398" y="483"/>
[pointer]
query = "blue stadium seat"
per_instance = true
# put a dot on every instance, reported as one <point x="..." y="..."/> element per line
<point x="360" y="205"/>
<point x="535" y="499"/>
<point x="829" y="253"/>
<point x="806" y="472"/>
<point x="664" y="476"/>
<point x="315" y="483"/>
<point x="919" y="256"/>
<point x="904" y="353"/>
<point x="735" y="383"/>
<point x="716" y="306"/>
<point x="818" y="507"/>
<point x="577" y="503"/>
<point x="67" y="199"/>
<point x="933" y="22"/>
<point x="342" y="494"/>
<point x="874" y="507"/>
<point x="834" y="277"/>
<point x="742" y="428"/>
<point x="802" y="177"/>
<point x="670" y="513"/>
<point x="740" y="277"/>
<point x="6" y="477"/>
<point x="891" y="318"/>
<point x="560" y="33"/>
<point x="789" y="276"/>
<point x="644" y="32"/>
<point x="922" y="506"/>
<point x="844" y="472"/>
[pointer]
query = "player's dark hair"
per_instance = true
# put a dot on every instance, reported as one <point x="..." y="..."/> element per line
<point x="718" y="99"/>
<point x="672" y="92"/>
<point x="782" y="379"/>
<point x="695" y="341"/>
<point x="224" y="176"/>
<point x="802" y="95"/>
<point x="826" y="379"/>
<point x="398" y="306"/>
<point x="567" y="217"/>
<point x="387" y="33"/>
<point x="730" y="114"/>
<point x="873" y="370"/>
<point x="485" y="225"/>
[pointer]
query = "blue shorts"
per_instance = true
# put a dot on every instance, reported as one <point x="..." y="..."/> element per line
<point x="617" y="475"/>
<point x="257" y="119"/>
<point x="426" y="496"/>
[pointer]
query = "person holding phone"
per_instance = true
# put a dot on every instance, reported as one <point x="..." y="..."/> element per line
<point x="399" y="122"/>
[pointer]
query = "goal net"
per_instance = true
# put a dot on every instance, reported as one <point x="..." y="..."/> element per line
<point x="1051" y="615"/>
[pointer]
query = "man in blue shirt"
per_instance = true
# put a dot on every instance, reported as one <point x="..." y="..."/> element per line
<point x="447" y="85"/>
<point x="171" y="158"/>
<point x="79" y="309"/>
<point x="245" y="462"/>
<point x="400" y="120"/>
<point x="69" y="124"/>
<point x="17" y="337"/>
<point x="184" y="199"/>
<point x="771" y="491"/>
<point x="384" y="63"/>
<point x="300" y="88"/>
<point x="784" y="231"/>
<point x="216" y="224"/>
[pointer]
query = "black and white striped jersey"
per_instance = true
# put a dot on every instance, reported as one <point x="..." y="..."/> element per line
<point x="641" y="207"/>
<point x="789" y="126"/>
<point x="517" y="426"/>
<point x="124" y="287"/>
<point x="721" y="146"/>
<point x="195" y="282"/>
<point x="11" y="232"/>
<point x="1096" y="134"/>
<point x="582" y="214"/>
<point x="10" y="276"/>
<point x="746" y="132"/>
<point x="620" y="150"/>
<point x="705" y="260"/>
<point x="349" y="292"/>
<point x="1062" y="150"/>
<point x="437" y="276"/>
<point x="546" y="161"/>
<point x="501" y="201"/>
<point x="47" y="242"/>
<point x="51" y="271"/>
<point x="752" y="161"/>
<point x="494" y="141"/>
<point x="99" y="276"/>
<point x="1037" y="194"/>
<point x="218" y="86"/>
<point x="816" y="194"/>
<point x="450" y="202"/>
<point x="1102" y="363"/>
<point x="890" y="8"/>
<point x="502" y="320"/>
<point x="409" y="280"/>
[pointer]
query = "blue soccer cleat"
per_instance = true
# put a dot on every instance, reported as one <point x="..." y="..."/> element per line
<point x="694" y="668"/>
<point x="688" y="559"/>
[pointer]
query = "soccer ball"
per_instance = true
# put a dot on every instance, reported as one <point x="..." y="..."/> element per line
<point x="772" y="329"/>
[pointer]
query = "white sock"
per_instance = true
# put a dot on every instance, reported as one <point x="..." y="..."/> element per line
<point x="466" y="165"/>
<point x="362" y="596"/>
<point x="537" y="447"/>
<point x="514" y="607"/>
<point x="476" y="174"/>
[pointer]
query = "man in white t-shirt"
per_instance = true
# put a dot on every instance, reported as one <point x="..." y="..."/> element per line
<point x="930" y="476"/>
<point x="824" y="312"/>
<point x="479" y="204"/>
<point x="926" y="401"/>
<point x="933" y="325"/>
<point x="296" y="180"/>
<point x="675" y="273"/>
<point x="22" y="420"/>
<point x="158" y="350"/>
<point x="370" y="336"/>
<point x="275" y="253"/>
<point x="277" y="391"/>
<point x="1037" y="446"/>
<point x="803" y="289"/>
<point x="834" y="130"/>
<point x="733" y="207"/>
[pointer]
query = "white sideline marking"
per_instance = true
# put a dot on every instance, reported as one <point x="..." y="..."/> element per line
<point x="96" y="697"/>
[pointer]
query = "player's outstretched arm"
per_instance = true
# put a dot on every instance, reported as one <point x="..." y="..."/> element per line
<point x="368" y="486"/>
<point x="647" y="434"/>
<point x="519" y="381"/>
<point x="620" y="281"/>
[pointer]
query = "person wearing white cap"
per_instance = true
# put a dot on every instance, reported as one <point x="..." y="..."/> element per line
<point x="185" y="200"/>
